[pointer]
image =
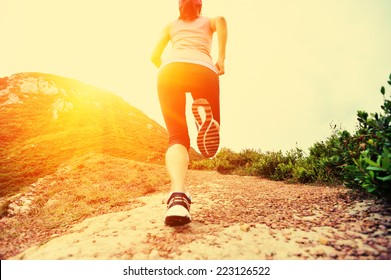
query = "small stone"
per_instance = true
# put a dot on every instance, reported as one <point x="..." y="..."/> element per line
<point x="256" y="251"/>
<point x="245" y="228"/>
<point x="125" y="257"/>
<point x="323" y="241"/>
<point x="269" y="257"/>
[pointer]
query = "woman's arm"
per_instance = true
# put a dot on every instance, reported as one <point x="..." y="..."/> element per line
<point x="219" y="24"/>
<point x="160" y="46"/>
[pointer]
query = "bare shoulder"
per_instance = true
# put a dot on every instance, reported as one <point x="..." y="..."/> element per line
<point x="168" y="27"/>
<point x="165" y="33"/>
<point x="213" y="22"/>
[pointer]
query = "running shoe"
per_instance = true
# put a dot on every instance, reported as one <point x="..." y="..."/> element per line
<point x="208" y="138"/>
<point x="178" y="209"/>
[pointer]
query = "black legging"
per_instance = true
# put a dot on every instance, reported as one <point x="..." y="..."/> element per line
<point x="174" y="80"/>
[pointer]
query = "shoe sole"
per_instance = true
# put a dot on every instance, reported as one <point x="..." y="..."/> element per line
<point x="177" y="221"/>
<point x="208" y="138"/>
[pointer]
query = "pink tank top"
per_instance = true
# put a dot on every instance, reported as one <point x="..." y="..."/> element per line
<point x="191" y="43"/>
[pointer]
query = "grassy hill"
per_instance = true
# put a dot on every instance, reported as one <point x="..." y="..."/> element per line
<point x="46" y="120"/>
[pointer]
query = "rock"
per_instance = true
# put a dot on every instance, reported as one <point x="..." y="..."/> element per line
<point x="4" y="206"/>
<point x="51" y="203"/>
<point x="25" y="209"/>
<point x="125" y="257"/>
<point x="12" y="99"/>
<point x="269" y="257"/>
<point x="245" y="227"/>
<point x="60" y="105"/>
<point x="323" y="241"/>
<point x="256" y="251"/>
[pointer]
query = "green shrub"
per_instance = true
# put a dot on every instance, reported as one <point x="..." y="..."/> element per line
<point x="205" y="164"/>
<point x="327" y="158"/>
<point x="267" y="164"/>
<point x="370" y="149"/>
<point x="304" y="172"/>
<point x="226" y="161"/>
<point x="284" y="171"/>
<point x="361" y="159"/>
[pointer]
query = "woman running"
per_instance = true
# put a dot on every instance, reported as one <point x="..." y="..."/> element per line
<point x="189" y="68"/>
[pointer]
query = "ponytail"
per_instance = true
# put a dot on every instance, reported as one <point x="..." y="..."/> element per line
<point x="189" y="9"/>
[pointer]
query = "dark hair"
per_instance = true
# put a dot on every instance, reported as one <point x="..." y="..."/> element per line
<point x="189" y="10"/>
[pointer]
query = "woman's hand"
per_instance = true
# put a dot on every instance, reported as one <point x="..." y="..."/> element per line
<point x="220" y="66"/>
<point x="219" y="24"/>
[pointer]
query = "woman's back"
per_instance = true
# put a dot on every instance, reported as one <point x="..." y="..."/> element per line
<point x="191" y="42"/>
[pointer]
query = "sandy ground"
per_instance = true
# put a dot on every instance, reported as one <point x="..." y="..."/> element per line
<point x="235" y="218"/>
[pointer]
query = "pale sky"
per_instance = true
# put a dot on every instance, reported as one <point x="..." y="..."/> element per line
<point x="292" y="67"/>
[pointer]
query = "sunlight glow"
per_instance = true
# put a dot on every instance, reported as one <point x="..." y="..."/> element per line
<point x="292" y="68"/>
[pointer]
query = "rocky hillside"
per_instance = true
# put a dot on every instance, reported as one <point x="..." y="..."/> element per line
<point x="46" y="120"/>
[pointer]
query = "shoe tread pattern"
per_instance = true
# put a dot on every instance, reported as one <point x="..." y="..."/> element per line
<point x="208" y="138"/>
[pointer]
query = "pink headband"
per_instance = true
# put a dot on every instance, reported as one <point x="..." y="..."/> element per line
<point x="197" y="2"/>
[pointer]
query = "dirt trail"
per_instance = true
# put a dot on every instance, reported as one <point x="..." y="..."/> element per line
<point x="235" y="218"/>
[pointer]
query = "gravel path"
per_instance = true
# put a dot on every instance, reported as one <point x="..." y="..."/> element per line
<point x="235" y="218"/>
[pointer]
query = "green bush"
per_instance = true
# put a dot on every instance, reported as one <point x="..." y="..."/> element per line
<point x="285" y="169"/>
<point x="361" y="159"/>
<point x="327" y="158"/>
<point x="304" y="172"/>
<point x="226" y="161"/>
<point x="272" y="165"/>
<point x="205" y="164"/>
<point x="370" y="149"/>
<point x="267" y="164"/>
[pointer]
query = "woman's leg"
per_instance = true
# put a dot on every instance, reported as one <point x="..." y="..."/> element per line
<point x="173" y="103"/>
<point x="177" y="162"/>
<point x="172" y="97"/>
